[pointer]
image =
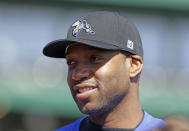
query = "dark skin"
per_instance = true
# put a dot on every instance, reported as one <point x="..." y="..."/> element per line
<point x="103" y="84"/>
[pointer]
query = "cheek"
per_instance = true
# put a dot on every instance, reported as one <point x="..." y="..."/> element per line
<point x="107" y="70"/>
<point x="69" y="78"/>
<point x="70" y="83"/>
<point x="105" y="75"/>
<point x="111" y="69"/>
<point x="112" y="74"/>
<point x="103" y="70"/>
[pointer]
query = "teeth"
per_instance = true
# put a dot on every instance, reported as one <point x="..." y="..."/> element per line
<point x="84" y="90"/>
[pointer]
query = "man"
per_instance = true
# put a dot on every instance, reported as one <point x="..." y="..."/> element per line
<point x="105" y="57"/>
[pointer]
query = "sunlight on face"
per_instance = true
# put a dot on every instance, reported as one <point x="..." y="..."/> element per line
<point x="98" y="79"/>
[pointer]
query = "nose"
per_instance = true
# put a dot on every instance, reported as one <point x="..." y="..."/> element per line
<point x="81" y="73"/>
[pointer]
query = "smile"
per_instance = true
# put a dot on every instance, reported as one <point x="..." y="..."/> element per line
<point x="84" y="91"/>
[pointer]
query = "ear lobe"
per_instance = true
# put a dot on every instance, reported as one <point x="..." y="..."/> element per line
<point x="135" y="65"/>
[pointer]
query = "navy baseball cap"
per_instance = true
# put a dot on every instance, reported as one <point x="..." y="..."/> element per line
<point x="102" y="29"/>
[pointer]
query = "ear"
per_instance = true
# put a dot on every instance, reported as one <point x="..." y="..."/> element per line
<point x="135" y="65"/>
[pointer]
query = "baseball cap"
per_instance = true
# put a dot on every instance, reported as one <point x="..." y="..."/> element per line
<point x="101" y="29"/>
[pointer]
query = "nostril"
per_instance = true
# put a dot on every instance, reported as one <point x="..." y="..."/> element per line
<point x="80" y="80"/>
<point x="80" y="74"/>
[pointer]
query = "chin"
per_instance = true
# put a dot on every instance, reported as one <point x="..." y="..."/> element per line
<point x="95" y="111"/>
<point x="87" y="110"/>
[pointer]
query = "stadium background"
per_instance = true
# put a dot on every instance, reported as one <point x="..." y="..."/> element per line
<point x="34" y="95"/>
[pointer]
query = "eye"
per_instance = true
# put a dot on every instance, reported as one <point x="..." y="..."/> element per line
<point x="95" y="59"/>
<point x="70" y="62"/>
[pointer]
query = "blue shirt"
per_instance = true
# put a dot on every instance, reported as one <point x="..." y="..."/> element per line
<point x="147" y="124"/>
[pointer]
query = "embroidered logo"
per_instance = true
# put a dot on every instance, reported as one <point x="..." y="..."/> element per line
<point x="81" y="25"/>
<point x="130" y="44"/>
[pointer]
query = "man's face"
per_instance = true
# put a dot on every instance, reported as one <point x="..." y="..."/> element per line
<point x="98" y="79"/>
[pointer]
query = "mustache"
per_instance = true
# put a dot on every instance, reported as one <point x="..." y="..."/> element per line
<point x="91" y="82"/>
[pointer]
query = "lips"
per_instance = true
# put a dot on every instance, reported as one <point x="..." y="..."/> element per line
<point x="83" y="91"/>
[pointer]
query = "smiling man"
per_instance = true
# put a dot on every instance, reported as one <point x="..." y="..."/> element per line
<point x="104" y="55"/>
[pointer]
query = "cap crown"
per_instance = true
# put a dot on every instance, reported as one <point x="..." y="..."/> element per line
<point x="102" y="29"/>
<point x="107" y="28"/>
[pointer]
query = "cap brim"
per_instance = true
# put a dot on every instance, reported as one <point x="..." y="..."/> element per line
<point x="57" y="48"/>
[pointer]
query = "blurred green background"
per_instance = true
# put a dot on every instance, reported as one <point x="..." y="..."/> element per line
<point x="33" y="88"/>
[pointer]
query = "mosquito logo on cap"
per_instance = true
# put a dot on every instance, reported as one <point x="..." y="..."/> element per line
<point x="81" y="25"/>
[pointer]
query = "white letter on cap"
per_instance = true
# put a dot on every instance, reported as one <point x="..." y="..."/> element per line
<point x="130" y="44"/>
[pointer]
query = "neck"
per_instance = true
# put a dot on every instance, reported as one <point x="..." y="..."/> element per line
<point x="127" y="114"/>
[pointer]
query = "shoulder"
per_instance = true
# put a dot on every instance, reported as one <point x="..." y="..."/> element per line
<point x="149" y="123"/>
<point x="71" y="127"/>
